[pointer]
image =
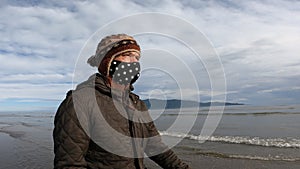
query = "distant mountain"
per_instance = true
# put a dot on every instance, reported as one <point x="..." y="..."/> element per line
<point x="174" y="103"/>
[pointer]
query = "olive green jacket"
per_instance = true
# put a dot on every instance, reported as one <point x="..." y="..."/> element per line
<point x="98" y="128"/>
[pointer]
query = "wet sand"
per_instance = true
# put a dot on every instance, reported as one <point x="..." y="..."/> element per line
<point x="7" y="151"/>
<point x="15" y="154"/>
<point x="197" y="161"/>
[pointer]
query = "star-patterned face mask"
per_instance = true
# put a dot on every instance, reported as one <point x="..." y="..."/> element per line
<point x="124" y="73"/>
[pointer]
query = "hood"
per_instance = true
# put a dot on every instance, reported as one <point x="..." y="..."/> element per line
<point x="96" y="81"/>
<point x="99" y="82"/>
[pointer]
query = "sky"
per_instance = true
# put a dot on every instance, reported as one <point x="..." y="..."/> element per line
<point x="257" y="43"/>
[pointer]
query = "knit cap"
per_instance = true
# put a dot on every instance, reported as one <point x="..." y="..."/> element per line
<point x="110" y="47"/>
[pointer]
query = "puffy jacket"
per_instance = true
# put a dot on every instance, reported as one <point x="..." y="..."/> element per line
<point x="92" y="131"/>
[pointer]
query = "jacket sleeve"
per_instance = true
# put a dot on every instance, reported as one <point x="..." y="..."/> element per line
<point x="70" y="140"/>
<point x="167" y="159"/>
<point x="155" y="149"/>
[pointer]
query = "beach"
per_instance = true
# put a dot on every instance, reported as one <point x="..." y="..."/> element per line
<point x="198" y="159"/>
<point x="245" y="138"/>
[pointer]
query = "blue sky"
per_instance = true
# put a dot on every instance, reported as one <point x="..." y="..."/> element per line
<point x="257" y="42"/>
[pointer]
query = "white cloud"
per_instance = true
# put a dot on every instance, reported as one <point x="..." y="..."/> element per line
<point x="283" y="89"/>
<point x="36" y="91"/>
<point x="37" y="78"/>
<point x="257" y="42"/>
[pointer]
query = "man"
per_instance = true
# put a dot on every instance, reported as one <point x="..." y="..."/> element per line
<point x="102" y="124"/>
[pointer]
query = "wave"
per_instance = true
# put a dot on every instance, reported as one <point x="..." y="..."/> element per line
<point x="239" y="156"/>
<point x="276" y="158"/>
<point x="230" y="114"/>
<point x="263" y="113"/>
<point x="257" y="141"/>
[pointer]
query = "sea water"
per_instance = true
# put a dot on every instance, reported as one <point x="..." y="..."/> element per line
<point x="265" y="133"/>
<point x="243" y="132"/>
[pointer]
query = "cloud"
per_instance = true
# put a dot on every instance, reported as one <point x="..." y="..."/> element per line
<point x="257" y="42"/>
<point x="28" y="91"/>
<point x="36" y="78"/>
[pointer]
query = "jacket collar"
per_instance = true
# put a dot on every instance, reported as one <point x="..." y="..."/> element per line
<point x="99" y="82"/>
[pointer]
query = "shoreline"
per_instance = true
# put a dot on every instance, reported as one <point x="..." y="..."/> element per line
<point x="208" y="161"/>
<point x="193" y="157"/>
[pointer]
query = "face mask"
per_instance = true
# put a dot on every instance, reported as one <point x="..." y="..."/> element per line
<point x="124" y="73"/>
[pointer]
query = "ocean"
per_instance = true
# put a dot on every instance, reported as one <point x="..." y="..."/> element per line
<point x="245" y="137"/>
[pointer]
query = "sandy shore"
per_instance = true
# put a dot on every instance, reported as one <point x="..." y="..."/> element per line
<point x="197" y="161"/>
<point x="16" y="154"/>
